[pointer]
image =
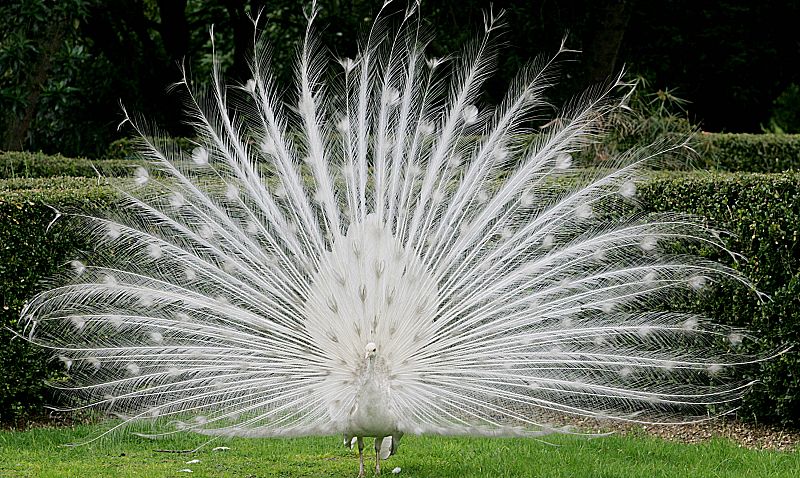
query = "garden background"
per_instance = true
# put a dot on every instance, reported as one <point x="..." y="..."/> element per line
<point x="724" y="71"/>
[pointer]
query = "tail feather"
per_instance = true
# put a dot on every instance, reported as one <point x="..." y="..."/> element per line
<point x="234" y="289"/>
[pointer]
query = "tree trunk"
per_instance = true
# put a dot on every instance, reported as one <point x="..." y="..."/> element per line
<point x="601" y="44"/>
<point x="243" y="30"/>
<point x="14" y="138"/>
<point x="174" y="28"/>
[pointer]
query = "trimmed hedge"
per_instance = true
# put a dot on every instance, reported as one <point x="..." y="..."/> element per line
<point x="28" y="255"/>
<point x="761" y="211"/>
<point x="756" y="153"/>
<point x="125" y="148"/>
<point x="20" y="164"/>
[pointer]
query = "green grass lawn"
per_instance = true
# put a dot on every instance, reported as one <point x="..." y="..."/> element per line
<point x="37" y="453"/>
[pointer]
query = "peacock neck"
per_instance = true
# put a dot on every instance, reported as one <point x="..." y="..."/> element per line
<point x="372" y="414"/>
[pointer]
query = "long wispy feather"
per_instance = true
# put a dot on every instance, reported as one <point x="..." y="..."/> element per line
<point x="494" y="280"/>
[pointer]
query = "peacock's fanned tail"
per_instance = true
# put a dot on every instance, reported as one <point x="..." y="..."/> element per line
<point x="234" y="286"/>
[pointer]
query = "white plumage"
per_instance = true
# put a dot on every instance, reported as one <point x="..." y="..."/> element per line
<point x="385" y="255"/>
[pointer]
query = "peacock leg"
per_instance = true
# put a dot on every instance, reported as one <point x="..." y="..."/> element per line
<point x="378" y="442"/>
<point x="360" y="457"/>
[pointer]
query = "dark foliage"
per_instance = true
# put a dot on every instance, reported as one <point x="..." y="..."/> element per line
<point x="66" y="66"/>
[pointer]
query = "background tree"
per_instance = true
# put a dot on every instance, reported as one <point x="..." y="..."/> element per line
<point x="65" y="66"/>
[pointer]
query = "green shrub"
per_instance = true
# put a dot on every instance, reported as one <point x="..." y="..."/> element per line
<point x="756" y="153"/>
<point x="759" y="210"/>
<point x="125" y="148"/>
<point x="16" y="164"/>
<point x="786" y="111"/>
<point x="28" y="255"/>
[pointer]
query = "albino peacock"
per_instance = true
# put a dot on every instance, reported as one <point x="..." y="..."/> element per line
<point x="382" y="255"/>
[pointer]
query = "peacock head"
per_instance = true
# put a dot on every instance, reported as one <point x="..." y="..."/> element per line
<point x="371" y="349"/>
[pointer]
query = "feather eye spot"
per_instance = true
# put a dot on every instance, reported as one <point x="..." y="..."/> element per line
<point x="470" y="114"/>
<point x="232" y="192"/>
<point x="156" y="337"/>
<point x="583" y="211"/>
<point x="697" y="282"/>
<point x="154" y="251"/>
<point x="563" y="161"/>
<point x="146" y="300"/>
<point x="78" y="267"/>
<point x="66" y="361"/>
<point x="391" y="97"/>
<point x="690" y="324"/>
<point x="648" y="243"/>
<point x="113" y="231"/>
<point x="78" y="322"/>
<point x="205" y="231"/>
<point x="347" y="64"/>
<point x="332" y="305"/>
<point x="200" y="156"/>
<point x="141" y="176"/>
<point x="189" y="274"/>
<point x="599" y="340"/>
<point x="735" y="338"/>
<point x="628" y="189"/>
<point x="133" y="369"/>
<point x="599" y="254"/>
<point x="500" y="153"/>
<point x="268" y="147"/>
<point x="177" y="200"/>
<point x="252" y="227"/>
<point x="94" y="362"/>
<point x="115" y="320"/>
<point x="250" y="86"/>
<point x="548" y="241"/>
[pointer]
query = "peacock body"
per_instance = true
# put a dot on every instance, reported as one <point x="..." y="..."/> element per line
<point x="382" y="256"/>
